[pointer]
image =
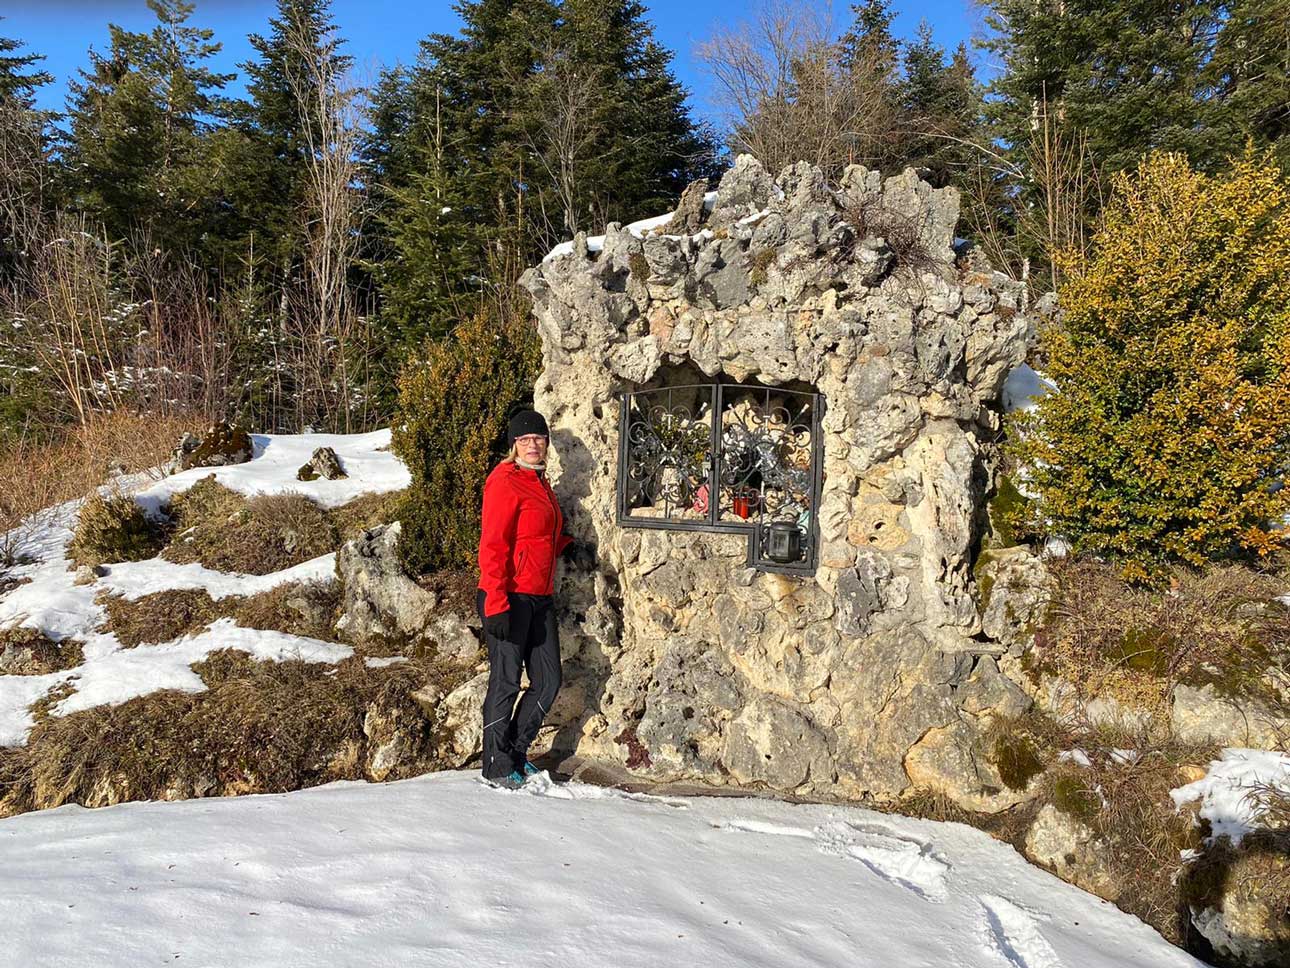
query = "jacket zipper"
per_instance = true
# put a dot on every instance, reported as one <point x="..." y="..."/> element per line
<point x="555" y="532"/>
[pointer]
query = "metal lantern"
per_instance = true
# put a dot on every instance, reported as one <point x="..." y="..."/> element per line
<point x="783" y="542"/>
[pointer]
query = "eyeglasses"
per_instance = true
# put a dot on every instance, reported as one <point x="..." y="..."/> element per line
<point x="531" y="440"/>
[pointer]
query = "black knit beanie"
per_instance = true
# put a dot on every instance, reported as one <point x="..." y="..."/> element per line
<point x="526" y="422"/>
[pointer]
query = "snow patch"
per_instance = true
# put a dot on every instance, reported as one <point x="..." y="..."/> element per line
<point x="1226" y="791"/>
<point x="441" y="869"/>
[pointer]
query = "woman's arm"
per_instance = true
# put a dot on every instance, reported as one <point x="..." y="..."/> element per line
<point x="496" y="538"/>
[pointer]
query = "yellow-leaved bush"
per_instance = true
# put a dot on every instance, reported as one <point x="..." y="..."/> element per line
<point x="455" y="398"/>
<point x="1167" y="437"/>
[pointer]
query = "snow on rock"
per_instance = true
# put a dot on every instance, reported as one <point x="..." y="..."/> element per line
<point x="444" y="870"/>
<point x="1023" y="387"/>
<point x="1225" y="791"/>
<point x="641" y="228"/>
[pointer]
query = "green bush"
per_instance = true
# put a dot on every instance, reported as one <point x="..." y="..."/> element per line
<point x="114" y="528"/>
<point x="455" y="398"/>
<point x="1167" y="437"/>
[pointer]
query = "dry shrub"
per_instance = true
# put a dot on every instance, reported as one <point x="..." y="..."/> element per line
<point x="225" y="531"/>
<point x="35" y="475"/>
<point x="114" y="528"/>
<point x="1221" y="625"/>
<point x="30" y="652"/>
<point x="259" y="727"/>
<point x="298" y="608"/>
<point x="159" y="617"/>
<point x="902" y="232"/>
<point x="365" y="512"/>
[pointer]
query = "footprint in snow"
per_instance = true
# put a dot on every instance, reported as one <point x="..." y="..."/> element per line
<point x="1012" y="934"/>
<point x="898" y="858"/>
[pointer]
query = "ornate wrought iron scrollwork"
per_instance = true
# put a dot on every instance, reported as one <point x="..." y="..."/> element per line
<point x="670" y="452"/>
<point x="725" y="457"/>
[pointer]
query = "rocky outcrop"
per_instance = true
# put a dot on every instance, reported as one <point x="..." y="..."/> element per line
<point x="380" y="599"/>
<point x="692" y="664"/>
<point x="1202" y="714"/>
<point x="323" y="463"/>
<point x="1074" y="852"/>
<point x="1241" y="900"/>
<point x="222" y="444"/>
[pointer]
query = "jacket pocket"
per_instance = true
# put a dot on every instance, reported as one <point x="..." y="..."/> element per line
<point x="519" y="566"/>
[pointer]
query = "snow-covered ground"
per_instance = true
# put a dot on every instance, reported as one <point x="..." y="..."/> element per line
<point x="52" y="602"/>
<point x="443" y="870"/>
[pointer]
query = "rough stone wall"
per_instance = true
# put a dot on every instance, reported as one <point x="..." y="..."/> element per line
<point x="681" y="662"/>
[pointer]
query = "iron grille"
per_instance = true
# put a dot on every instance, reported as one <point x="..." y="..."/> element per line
<point x="726" y="457"/>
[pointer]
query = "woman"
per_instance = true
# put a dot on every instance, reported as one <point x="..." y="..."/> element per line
<point x="521" y="537"/>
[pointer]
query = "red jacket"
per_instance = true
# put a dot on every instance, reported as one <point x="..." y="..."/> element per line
<point x="521" y="536"/>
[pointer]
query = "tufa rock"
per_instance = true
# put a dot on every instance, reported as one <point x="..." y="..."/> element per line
<point x="1073" y="851"/>
<point x="695" y="667"/>
<point x="380" y="600"/>
<point x="1202" y="714"/>
<point x="222" y="444"/>
<point x="325" y="464"/>
<point x="688" y="217"/>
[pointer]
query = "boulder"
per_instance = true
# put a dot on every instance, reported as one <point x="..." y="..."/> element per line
<point x="380" y="599"/>
<point x="325" y="464"/>
<point x="1073" y="851"/>
<point x="949" y="761"/>
<point x="1203" y="714"/>
<point x="222" y="444"/>
<point x="1014" y="588"/>
<point x="688" y="217"/>
<point x="1243" y="907"/>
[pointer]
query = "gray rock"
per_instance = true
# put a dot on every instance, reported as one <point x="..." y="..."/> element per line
<point x="771" y="743"/>
<point x="380" y="600"/>
<point x="1203" y="714"/>
<point x="1074" y="852"/>
<point x="688" y="217"/>
<point x="1015" y="589"/>
<point x="323" y="463"/>
<point x="744" y="189"/>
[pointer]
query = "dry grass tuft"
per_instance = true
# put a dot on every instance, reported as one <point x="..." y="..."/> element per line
<point x="29" y="652"/>
<point x="365" y="512"/>
<point x="225" y="531"/>
<point x="35" y="475"/>
<point x="159" y="617"/>
<point x="114" y="528"/>
<point x="298" y="608"/>
<point x="259" y="727"/>
<point x="1221" y="624"/>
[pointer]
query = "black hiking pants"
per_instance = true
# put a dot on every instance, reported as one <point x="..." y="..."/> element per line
<point x="534" y="646"/>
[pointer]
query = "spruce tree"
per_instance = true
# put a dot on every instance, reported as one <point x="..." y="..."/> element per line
<point x="1128" y="75"/>
<point x="135" y="150"/>
<point x="18" y="82"/>
<point x="940" y="105"/>
<point x="1249" y="76"/>
<point x="278" y="127"/>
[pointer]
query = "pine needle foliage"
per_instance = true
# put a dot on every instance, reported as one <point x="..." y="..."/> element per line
<point x="1167" y="438"/>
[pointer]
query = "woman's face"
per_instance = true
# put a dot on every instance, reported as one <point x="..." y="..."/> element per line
<point x="531" y="448"/>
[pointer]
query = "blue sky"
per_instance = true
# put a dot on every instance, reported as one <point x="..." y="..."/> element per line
<point x="383" y="32"/>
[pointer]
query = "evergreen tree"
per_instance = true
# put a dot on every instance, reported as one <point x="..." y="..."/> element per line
<point x="1128" y="75"/>
<point x="869" y="39"/>
<point x="18" y="82"/>
<point x="536" y="120"/>
<point x="277" y="129"/>
<point x="135" y="151"/>
<point x="1249" y="76"/>
<point x="940" y="106"/>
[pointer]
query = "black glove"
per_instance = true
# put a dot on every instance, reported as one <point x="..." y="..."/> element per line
<point x="580" y="555"/>
<point x="499" y="625"/>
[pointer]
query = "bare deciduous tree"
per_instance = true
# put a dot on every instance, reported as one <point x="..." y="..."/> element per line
<point x="787" y="95"/>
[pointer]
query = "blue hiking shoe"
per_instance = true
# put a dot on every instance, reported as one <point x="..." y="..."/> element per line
<point x="530" y="769"/>
<point x="511" y="781"/>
